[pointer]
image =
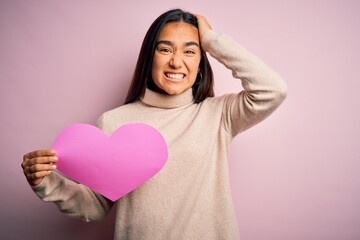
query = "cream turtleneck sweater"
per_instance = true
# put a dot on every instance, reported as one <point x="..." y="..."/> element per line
<point x="190" y="197"/>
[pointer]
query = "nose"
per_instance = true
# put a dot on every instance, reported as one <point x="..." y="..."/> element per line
<point x="175" y="61"/>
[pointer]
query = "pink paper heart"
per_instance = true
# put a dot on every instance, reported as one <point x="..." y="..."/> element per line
<point x="112" y="166"/>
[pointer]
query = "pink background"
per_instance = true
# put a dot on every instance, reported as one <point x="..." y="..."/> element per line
<point x="294" y="176"/>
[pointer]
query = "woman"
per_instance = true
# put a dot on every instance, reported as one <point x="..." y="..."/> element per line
<point x="172" y="90"/>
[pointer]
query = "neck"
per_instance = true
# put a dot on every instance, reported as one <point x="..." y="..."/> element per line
<point x="163" y="100"/>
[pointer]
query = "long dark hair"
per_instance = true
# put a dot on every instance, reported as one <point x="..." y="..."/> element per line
<point x="204" y="84"/>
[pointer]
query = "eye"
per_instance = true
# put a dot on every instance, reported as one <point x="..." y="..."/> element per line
<point x="165" y="50"/>
<point x="190" y="52"/>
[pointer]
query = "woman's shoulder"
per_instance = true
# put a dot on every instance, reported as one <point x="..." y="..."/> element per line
<point x="109" y="120"/>
<point x="120" y="110"/>
<point x="218" y="100"/>
<point x="215" y="104"/>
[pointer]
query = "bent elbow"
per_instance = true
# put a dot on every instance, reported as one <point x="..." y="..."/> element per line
<point x="281" y="90"/>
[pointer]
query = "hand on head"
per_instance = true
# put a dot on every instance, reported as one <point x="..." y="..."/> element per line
<point x="38" y="164"/>
<point x="203" y="24"/>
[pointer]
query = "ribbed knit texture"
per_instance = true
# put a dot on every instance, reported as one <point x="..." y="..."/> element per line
<point x="190" y="197"/>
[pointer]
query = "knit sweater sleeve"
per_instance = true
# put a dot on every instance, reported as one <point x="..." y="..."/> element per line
<point x="73" y="199"/>
<point x="264" y="90"/>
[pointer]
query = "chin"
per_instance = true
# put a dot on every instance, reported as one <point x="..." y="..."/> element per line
<point x="170" y="92"/>
<point x="174" y="91"/>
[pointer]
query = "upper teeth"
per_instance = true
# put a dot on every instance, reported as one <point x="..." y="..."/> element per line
<point x="175" y="76"/>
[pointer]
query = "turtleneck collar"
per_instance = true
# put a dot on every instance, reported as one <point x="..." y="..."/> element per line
<point x="160" y="100"/>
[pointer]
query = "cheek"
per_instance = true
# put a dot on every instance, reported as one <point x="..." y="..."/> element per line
<point x="194" y="67"/>
<point x="157" y="66"/>
<point x="155" y="69"/>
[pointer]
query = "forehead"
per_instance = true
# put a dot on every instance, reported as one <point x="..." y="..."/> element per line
<point x="179" y="31"/>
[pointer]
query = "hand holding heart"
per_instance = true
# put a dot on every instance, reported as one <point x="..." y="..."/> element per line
<point x="112" y="166"/>
<point x="38" y="164"/>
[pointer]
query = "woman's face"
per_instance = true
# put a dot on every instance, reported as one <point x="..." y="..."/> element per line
<point x="176" y="58"/>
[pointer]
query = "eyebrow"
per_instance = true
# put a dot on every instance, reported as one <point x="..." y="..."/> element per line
<point x="169" y="43"/>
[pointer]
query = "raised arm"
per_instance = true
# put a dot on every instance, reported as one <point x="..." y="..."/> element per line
<point x="264" y="90"/>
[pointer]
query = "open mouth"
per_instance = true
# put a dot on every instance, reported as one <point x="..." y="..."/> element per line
<point x="175" y="76"/>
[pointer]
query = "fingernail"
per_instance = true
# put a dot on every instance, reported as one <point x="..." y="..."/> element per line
<point x="53" y="166"/>
<point x="55" y="159"/>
